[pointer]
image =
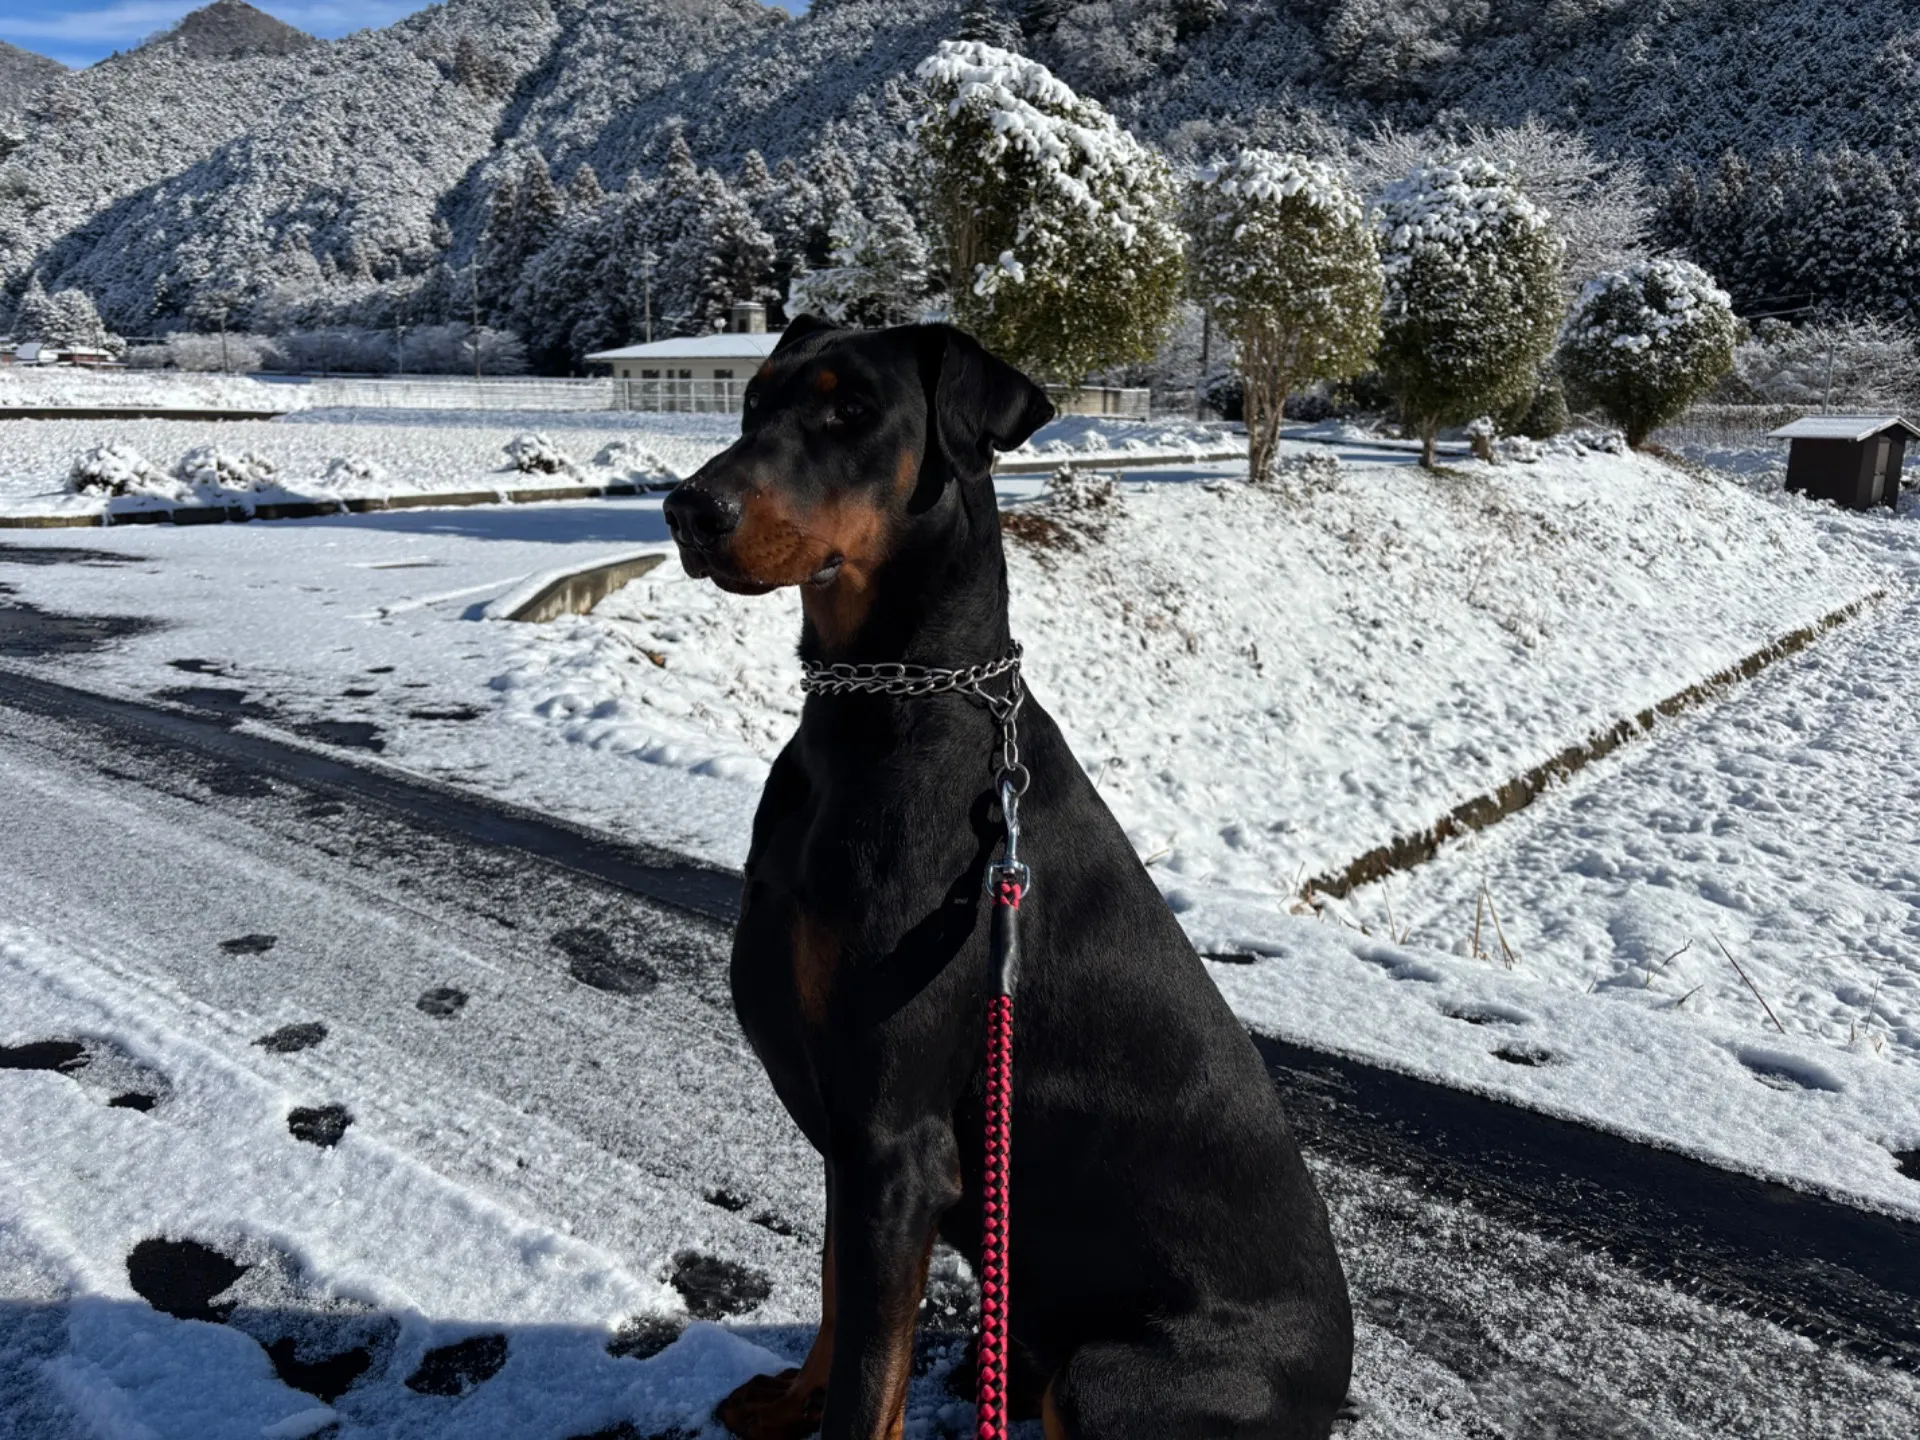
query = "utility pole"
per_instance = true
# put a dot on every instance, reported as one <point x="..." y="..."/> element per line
<point x="1206" y="351"/>
<point x="1826" y="401"/>
<point x="225" y="368"/>
<point x="473" y="331"/>
<point x="646" y="291"/>
<point x="399" y="346"/>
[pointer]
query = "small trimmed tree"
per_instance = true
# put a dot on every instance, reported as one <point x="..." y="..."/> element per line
<point x="1284" y="258"/>
<point x="1473" y="301"/>
<point x="1645" y="342"/>
<point x="1055" y="226"/>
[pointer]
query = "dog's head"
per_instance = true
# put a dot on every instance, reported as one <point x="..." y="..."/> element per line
<point x="854" y="445"/>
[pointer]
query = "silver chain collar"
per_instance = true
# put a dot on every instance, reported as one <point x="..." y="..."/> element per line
<point x="912" y="681"/>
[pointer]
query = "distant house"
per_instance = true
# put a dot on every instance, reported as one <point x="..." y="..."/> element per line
<point x="34" y="352"/>
<point x="692" y="372"/>
<point x="1852" y="460"/>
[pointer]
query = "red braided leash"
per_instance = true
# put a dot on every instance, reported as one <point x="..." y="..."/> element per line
<point x="992" y="1362"/>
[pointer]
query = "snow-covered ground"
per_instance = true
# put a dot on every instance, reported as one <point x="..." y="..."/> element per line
<point x="34" y="386"/>
<point x="1265" y="682"/>
<point x="353" y="454"/>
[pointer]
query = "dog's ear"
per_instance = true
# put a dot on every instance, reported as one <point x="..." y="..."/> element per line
<point x="799" y="328"/>
<point x="976" y="402"/>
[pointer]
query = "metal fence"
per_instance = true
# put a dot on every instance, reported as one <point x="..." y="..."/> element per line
<point x="713" y="397"/>
<point x="438" y="393"/>
<point x="1729" y="427"/>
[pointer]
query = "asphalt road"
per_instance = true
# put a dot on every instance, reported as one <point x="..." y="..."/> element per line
<point x="1514" y="1276"/>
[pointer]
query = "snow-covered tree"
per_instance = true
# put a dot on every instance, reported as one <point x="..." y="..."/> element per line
<point x="1856" y="363"/>
<point x="1644" y="343"/>
<point x="1284" y="257"/>
<point x="1056" y="226"/>
<point x="1599" y="205"/>
<point x="1472" y="294"/>
<point x="74" y="324"/>
<point x="879" y="270"/>
<point x="34" y="317"/>
<point x="990" y="22"/>
<point x="738" y="265"/>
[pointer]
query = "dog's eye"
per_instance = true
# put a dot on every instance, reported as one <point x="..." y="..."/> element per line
<point x="753" y="401"/>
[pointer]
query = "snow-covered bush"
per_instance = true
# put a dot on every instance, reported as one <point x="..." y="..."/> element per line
<point x="1644" y="343"/>
<point x="637" y="463"/>
<point x="1056" y="226"/>
<point x="235" y="352"/>
<point x="1599" y="204"/>
<point x="1472" y="294"/>
<point x="211" y="468"/>
<point x="533" y="453"/>
<point x="351" y="473"/>
<point x="879" y="270"/>
<point x="1073" y="490"/>
<point x="116" y="468"/>
<point x="1283" y="256"/>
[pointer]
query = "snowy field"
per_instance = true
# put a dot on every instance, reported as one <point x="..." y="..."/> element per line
<point x="1264" y="682"/>
<point x="376" y="453"/>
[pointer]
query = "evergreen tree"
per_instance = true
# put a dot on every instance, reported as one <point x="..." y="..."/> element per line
<point x="830" y="183"/>
<point x="583" y="190"/>
<point x="738" y="264"/>
<point x="1283" y="256"/>
<point x="1056" y="226"/>
<point x="1644" y="343"/>
<point x="74" y="324"/>
<point x="34" y="318"/>
<point x="1472" y="294"/>
<point x="989" y="22"/>
<point x="879" y="272"/>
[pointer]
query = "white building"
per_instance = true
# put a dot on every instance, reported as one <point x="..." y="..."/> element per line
<point x="692" y="372"/>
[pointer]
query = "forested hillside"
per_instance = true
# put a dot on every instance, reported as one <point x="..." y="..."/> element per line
<point x="236" y="168"/>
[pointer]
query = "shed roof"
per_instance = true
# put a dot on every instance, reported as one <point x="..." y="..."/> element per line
<point x="728" y="345"/>
<point x="1840" y="427"/>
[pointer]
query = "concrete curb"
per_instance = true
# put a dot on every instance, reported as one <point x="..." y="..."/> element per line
<point x="1404" y="852"/>
<point x="573" y="591"/>
<point x="310" y="509"/>
<point x="132" y="412"/>
<point x="1122" y="462"/>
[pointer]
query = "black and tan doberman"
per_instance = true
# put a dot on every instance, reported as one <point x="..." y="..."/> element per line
<point x="1172" y="1271"/>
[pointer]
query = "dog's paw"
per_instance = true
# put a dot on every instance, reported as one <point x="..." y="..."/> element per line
<point x="774" y="1407"/>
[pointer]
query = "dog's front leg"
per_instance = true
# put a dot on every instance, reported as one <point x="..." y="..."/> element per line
<point x="888" y="1195"/>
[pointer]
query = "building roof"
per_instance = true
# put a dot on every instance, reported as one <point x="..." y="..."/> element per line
<point x="729" y="345"/>
<point x="1840" y="427"/>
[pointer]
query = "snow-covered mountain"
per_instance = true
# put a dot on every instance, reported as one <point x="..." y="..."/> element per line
<point x="234" y="156"/>
<point x="22" y="73"/>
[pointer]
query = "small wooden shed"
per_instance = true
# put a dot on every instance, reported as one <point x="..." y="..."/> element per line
<point x="1852" y="460"/>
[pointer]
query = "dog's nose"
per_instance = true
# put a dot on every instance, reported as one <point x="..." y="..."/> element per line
<point x="700" y="518"/>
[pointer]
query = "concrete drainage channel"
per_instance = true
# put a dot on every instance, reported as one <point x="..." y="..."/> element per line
<point x="1844" y="1277"/>
<point x="1404" y="852"/>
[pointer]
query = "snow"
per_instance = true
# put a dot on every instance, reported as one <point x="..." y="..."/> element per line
<point x="1840" y="427"/>
<point x="1265" y="682"/>
<point x="1095" y="438"/>
<point x="358" y="1229"/>
<point x="25" y="387"/>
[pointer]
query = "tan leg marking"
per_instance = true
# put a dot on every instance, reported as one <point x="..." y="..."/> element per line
<point x="816" y="959"/>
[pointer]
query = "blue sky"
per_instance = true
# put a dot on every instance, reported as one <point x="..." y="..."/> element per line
<point x="79" y="32"/>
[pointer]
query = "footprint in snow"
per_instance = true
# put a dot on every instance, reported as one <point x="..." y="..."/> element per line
<point x="443" y="1002"/>
<point x="253" y="944"/>
<point x="455" y="1369"/>
<point x="290" y="1038"/>
<point x="593" y="958"/>
<point x="316" y="1342"/>
<point x="321" y="1125"/>
<point x="101" y="1068"/>
<point x="714" y="1288"/>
